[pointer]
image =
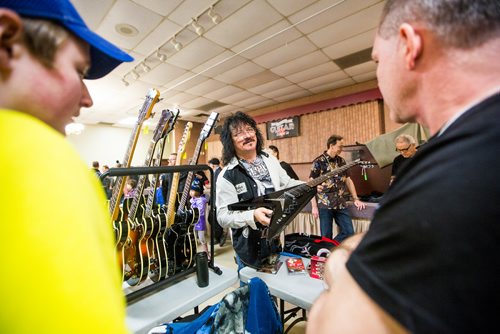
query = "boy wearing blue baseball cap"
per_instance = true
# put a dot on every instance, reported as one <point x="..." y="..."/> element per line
<point x="58" y="242"/>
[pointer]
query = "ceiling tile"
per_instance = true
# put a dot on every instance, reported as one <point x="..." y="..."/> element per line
<point x="223" y="92"/>
<point x="250" y="101"/>
<point x="219" y="64"/>
<point x="267" y="40"/>
<point x="351" y="45"/>
<point x="256" y="80"/>
<point x="369" y="66"/>
<point x="365" y="76"/>
<point x="270" y="86"/>
<point x="161" y="73"/>
<point x="196" y="53"/>
<point x="124" y="11"/>
<point x="242" y="24"/>
<point x="287" y="90"/>
<point x="302" y="63"/>
<point x="314" y="72"/>
<point x="326" y="12"/>
<point x="240" y="72"/>
<point x="353" y="25"/>
<point x="325" y="79"/>
<point x="237" y="97"/>
<point x="158" y="37"/>
<point x="93" y="11"/>
<point x="292" y="96"/>
<point x="287" y="7"/>
<point x="332" y="85"/>
<point x="205" y="87"/>
<point x="161" y="7"/>
<point x="287" y="52"/>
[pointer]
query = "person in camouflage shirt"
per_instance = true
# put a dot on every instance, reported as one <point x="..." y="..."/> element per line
<point x="330" y="203"/>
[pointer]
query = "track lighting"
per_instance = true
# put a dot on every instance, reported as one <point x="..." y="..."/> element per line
<point x="216" y="18"/>
<point x="145" y="67"/>
<point x="177" y="45"/>
<point x="161" y="56"/>
<point x="197" y="27"/>
<point x="135" y="74"/>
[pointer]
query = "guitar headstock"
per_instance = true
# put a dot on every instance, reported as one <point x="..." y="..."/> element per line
<point x="366" y="164"/>
<point x="166" y="115"/>
<point x="183" y="142"/>
<point x="171" y="123"/>
<point x="152" y="98"/>
<point x="209" y="124"/>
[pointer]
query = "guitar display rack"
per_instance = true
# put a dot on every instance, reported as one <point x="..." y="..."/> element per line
<point x="152" y="288"/>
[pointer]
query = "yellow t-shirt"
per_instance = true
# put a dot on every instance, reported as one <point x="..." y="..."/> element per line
<point x="59" y="270"/>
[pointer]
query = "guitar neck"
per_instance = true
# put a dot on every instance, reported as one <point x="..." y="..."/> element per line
<point x="114" y="204"/>
<point x="324" y="177"/>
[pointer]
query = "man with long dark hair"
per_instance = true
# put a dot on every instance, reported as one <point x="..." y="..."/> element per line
<point x="249" y="172"/>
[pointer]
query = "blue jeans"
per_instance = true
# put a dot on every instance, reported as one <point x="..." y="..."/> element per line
<point x="342" y="219"/>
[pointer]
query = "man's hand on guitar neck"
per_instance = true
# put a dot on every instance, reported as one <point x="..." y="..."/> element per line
<point x="263" y="215"/>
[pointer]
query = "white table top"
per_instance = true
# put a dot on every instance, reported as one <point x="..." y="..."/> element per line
<point x="175" y="300"/>
<point x="299" y="289"/>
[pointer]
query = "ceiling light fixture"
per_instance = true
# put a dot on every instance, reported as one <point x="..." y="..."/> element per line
<point x="216" y="18"/>
<point x="177" y="45"/>
<point x="145" y="67"/>
<point x="197" y="27"/>
<point x="135" y="74"/>
<point x="161" y="55"/>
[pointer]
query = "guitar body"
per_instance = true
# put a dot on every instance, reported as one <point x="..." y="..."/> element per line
<point x="169" y="242"/>
<point x="185" y="244"/>
<point x="158" y="253"/>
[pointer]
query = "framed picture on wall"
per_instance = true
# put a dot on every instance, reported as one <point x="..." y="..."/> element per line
<point x="284" y="128"/>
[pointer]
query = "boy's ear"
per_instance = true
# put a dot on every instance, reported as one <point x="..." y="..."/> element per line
<point x="10" y="33"/>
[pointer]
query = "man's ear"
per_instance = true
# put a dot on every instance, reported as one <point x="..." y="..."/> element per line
<point x="10" y="32"/>
<point x="411" y="44"/>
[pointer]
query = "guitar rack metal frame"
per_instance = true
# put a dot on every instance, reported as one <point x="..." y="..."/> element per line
<point x="152" y="288"/>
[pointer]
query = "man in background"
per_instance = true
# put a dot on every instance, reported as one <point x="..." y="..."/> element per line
<point x="429" y="263"/>
<point x="406" y="145"/>
<point x="60" y="249"/>
<point x="331" y="204"/>
<point x="219" y="233"/>
<point x="285" y="165"/>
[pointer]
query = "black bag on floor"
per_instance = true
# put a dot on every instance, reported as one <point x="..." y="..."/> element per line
<point x="307" y="245"/>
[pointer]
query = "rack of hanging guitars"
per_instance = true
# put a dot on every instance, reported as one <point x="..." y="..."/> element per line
<point x="147" y="290"/>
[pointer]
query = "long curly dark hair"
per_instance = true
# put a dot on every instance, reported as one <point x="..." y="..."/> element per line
<point x="233" y="122"/>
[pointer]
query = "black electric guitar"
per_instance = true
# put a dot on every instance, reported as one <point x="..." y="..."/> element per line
<point x="135" y="250"/>
<point x="151" y="217"/>
<point x="168" y="218"/>
<point x="118" y="217"/>
<point x="287" y="203"/>
<point x="185" y="220"/>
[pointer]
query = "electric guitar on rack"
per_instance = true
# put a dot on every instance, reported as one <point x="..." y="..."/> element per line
<point x="151" y="222"/>
<point x="287" y="203"/>
<point x="135" y="251"/>
<point x="169" y="217"/>
<point x="185" y="245"/>
<point x="118" y="217"/>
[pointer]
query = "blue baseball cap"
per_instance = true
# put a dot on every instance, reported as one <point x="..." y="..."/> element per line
<point x="104" y="56"/>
